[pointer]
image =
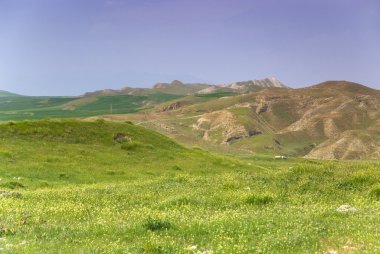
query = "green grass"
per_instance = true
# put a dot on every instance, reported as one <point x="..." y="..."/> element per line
<point x="68" y="187"/>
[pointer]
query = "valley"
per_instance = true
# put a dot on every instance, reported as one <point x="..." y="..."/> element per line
<point x="180" y="169"/>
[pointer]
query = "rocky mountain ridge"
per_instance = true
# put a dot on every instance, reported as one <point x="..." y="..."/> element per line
<point x="179" y="88"/>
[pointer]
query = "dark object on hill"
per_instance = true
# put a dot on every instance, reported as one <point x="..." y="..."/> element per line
<point x="157" y="225"/>
<point x="173" y="106"/>
<point x="254" y="133"/>
<point x="259" y="200"/>
<point x="13" y="185"/>
<point x="121" y="137"/>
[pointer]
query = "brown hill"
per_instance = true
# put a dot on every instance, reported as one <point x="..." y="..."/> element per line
<point x="331" y="120"/>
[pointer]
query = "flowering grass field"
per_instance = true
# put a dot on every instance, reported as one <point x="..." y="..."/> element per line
<point x="69" y="187"/>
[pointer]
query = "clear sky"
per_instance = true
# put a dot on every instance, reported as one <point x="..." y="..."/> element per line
<point x="67" y="47"/>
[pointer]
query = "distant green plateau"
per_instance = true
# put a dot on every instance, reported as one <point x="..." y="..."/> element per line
<point x="28" y="108"/>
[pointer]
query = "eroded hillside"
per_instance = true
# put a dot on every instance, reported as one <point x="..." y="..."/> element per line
<point x="331" y="120"/>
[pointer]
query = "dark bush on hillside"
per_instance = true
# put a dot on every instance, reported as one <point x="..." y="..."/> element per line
<point x="63" y="175"/>
<point x="100" y="121"/>
<point x="259" y="200"/>
<point x="4" y="231"/>
<point x="13" y="185"/>
<point x="121" y="138"/>
<point x="176" y="167"/>
<point x="156" y="225"/>
<point x="375" y="193"/>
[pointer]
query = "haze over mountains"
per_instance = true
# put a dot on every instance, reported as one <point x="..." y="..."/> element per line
<point x="331" y="120"/>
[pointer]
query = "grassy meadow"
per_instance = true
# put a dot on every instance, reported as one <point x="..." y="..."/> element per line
<point x="69" y="187"/>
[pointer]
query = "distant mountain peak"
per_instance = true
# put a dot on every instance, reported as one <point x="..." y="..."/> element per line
<point x="275" y="82"/>
<point x="245" y="86"/>
<point x="176" y="82"/>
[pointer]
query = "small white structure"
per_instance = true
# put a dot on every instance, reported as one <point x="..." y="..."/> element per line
<point x="282" y="157"/>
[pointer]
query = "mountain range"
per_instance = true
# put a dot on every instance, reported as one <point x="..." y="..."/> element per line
<point x="331" y="120"/>
<point x="178" y="88"/>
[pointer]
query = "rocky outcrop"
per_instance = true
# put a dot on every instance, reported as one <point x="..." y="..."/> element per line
<point x="172" y="106"/>
<point x="121" y="137"/>
<point x="221" y="127"/>
<point x="245" y="86"/>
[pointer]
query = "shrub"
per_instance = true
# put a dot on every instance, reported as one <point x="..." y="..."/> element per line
<point x="259" y="200"/>
<point x="375" y="192"/>
<point x="100" y="121"/>
<point x="13" y="185"/>
<point x="157" y="224"/>
<point x="4" y="231"/>
<point x="176" y="167"/>
<point x="63" y="175"/>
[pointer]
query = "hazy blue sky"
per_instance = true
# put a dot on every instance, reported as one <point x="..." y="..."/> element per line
<point x="55" y="47"/>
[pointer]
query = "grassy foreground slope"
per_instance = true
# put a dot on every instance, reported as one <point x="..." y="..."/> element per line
<point x="68" y="187"/>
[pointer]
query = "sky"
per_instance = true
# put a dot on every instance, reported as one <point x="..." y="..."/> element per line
<point x="68" y="47"/>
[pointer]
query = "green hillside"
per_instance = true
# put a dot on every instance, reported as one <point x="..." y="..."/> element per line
<point x="68" y="186"/>
<point x="28" y="107"/>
